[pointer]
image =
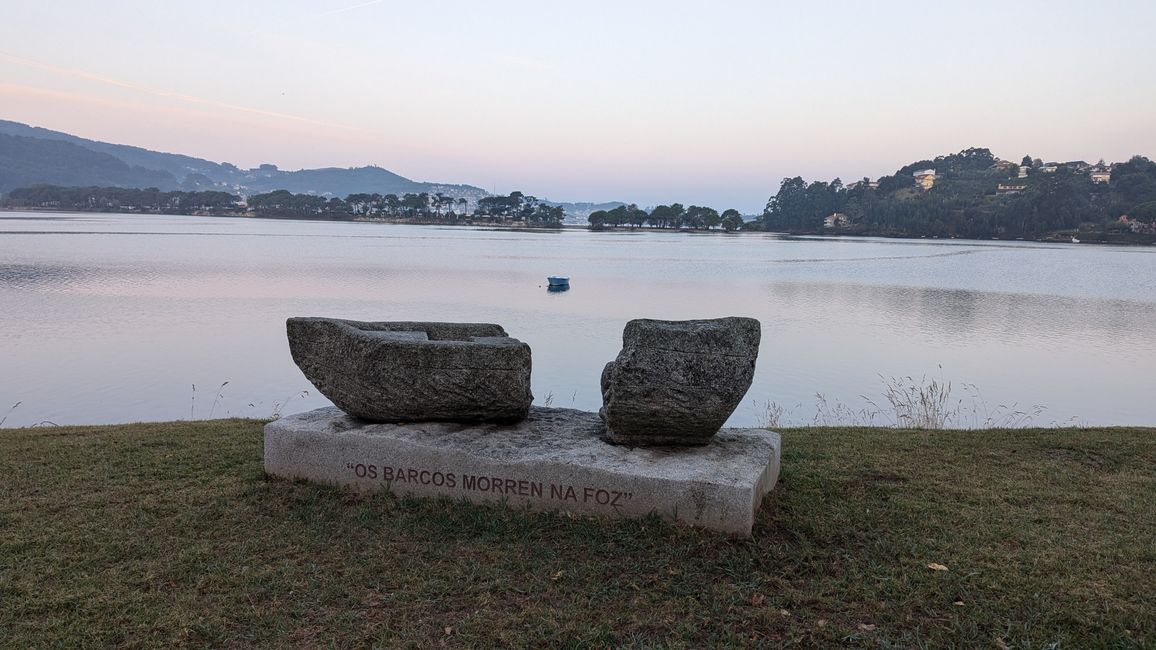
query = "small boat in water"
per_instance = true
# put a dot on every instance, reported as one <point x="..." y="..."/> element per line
<point x="558" y="281"/>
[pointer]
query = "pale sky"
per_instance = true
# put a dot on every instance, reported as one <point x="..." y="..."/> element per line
<point x="653" y="102"/>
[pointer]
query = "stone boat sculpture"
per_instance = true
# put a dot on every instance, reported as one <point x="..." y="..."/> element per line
<point x="403" y="371"/>
<point x="677" y="382"/>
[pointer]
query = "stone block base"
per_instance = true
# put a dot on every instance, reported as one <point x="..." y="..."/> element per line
<point x="553" y="460"/>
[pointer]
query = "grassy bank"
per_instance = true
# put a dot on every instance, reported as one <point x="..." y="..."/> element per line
<point x="169" y="534"/>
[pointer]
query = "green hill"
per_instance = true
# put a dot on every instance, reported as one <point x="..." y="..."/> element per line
<point x="37" y="156"/>
<point x="973" y="194"/>
<point x="28" y="161"/>
<point x="177" y="165"/>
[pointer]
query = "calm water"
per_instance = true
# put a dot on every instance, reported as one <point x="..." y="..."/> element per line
<point x="114" y="318"/>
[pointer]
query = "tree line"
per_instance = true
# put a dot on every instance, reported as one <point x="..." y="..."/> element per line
<point x="666" y="216"/>
<point x="974" y="196"/>
<point x="414" y="207"/>
<point x="420" y="207"/>
<point x="117" y="199"/>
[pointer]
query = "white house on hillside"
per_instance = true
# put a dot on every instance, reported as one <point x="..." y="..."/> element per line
<point x="925" y="178"/>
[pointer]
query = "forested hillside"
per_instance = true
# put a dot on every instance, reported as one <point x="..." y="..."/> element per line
<point x="36" y="156"/>
<point x="27" y="161"/>
<point x="971" y="194"/>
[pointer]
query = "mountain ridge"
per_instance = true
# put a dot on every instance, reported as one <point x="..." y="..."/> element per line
<point x="32" y="155"/>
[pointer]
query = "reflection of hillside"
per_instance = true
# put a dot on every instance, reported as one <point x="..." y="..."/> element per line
<point x="970" y="316"/>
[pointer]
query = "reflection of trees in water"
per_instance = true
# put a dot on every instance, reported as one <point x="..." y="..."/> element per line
<point x="962" y="315"/>
<point x="29" y="276"/>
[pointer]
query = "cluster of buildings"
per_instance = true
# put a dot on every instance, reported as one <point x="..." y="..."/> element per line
<point x="1137" y="226"/>
<point x="1100" y="172"/>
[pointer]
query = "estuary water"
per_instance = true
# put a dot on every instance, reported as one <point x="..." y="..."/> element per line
<point x="108" y="318"/>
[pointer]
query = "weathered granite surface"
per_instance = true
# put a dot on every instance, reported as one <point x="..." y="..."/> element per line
<point x="409" y="371"/>
<point x="553" y="460"/>
<point x="677" y="382"/>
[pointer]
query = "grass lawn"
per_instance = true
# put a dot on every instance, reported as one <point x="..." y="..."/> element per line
<point x="169" y="534"/>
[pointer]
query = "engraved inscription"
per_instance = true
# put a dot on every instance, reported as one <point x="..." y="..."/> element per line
<point x="496" y="485"/>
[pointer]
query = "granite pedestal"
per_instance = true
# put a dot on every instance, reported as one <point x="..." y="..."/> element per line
<point x="552" y="460"/>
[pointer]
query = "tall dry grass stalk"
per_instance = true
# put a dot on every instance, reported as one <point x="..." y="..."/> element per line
<point x="278" y="407"/>
<point x="217" y="399"/>
<point x="5" y="418"/>
<point x="924" y="403"/>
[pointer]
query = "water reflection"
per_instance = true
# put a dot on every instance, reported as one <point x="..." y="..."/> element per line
<point x="961" y="316"/>
<point x="118" y="319"/>
<point x="29" y="276"/>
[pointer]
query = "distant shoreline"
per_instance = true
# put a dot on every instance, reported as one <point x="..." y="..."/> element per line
<point x="1084" y="238"/>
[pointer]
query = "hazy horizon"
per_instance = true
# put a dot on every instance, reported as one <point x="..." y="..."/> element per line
<point x="650" y="103"/>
